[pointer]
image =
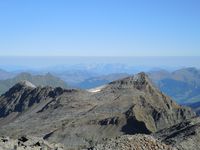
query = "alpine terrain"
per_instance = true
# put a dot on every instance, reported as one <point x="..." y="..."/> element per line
<point x="123" y="112"/>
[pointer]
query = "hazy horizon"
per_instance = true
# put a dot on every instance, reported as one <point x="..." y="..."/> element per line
<point x="16" y="63"/>
<point x="57" y="34"/>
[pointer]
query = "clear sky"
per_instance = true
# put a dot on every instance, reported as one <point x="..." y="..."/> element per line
<point x="100" y="27"/>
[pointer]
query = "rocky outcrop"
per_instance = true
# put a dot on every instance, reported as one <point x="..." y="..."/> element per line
<point x="27" y="143"/>
<point x="183" y="136"/>
<point x="21" y="97"/>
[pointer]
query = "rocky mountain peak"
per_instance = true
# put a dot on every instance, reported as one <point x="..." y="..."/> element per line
<point x="139" y="81"/>
<point x="20" y="86"/>
<point x="141" y="78"/>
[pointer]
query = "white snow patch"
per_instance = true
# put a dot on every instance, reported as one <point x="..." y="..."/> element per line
<point x="28" y="84"/>
<point x="96" y="89"/>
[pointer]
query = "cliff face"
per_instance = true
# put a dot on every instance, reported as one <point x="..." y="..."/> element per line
<point x="80" y="118"/>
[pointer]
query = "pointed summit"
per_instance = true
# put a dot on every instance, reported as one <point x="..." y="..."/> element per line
<point x="20" y="86"/>
<point x="139" y="81"/>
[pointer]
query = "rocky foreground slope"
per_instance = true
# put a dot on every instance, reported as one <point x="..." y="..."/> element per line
<point x="182" y="136"/>
<point x="27" y="143"/>
<point x="134" y="142"/>
<point x="79" y="119"/>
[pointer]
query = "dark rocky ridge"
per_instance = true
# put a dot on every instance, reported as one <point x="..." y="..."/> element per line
<point x="79" y="118"/>
<point x="183" y="136"/>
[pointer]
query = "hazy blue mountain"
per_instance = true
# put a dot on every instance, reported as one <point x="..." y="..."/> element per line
<point x="75" y="74"/>
<point x="38" y="80"/>
<point x="159" y="75"/>
<point x="183" y="85"/>
<point x="100" y="80"/>
<point x="5" y="74"/>
<point x="74" y="77"/>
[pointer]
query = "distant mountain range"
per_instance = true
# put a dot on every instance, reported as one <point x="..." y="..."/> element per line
<point x="38" y="80"/>
<point x="100" y="80"/>
<point x="77" y="75"/>
<point x="182" y="85"/>
<point x="74" y="77"/>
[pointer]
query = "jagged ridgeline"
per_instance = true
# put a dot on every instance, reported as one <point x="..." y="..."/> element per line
<point x="80" y="118"/>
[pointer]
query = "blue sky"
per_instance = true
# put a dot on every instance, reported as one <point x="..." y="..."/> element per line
<point x="99" y="28"/>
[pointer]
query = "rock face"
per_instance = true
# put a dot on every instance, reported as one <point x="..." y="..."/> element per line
<point x="184" y="136"/>
<point x="135" y="142"/>
<point x="79" y="118"/>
